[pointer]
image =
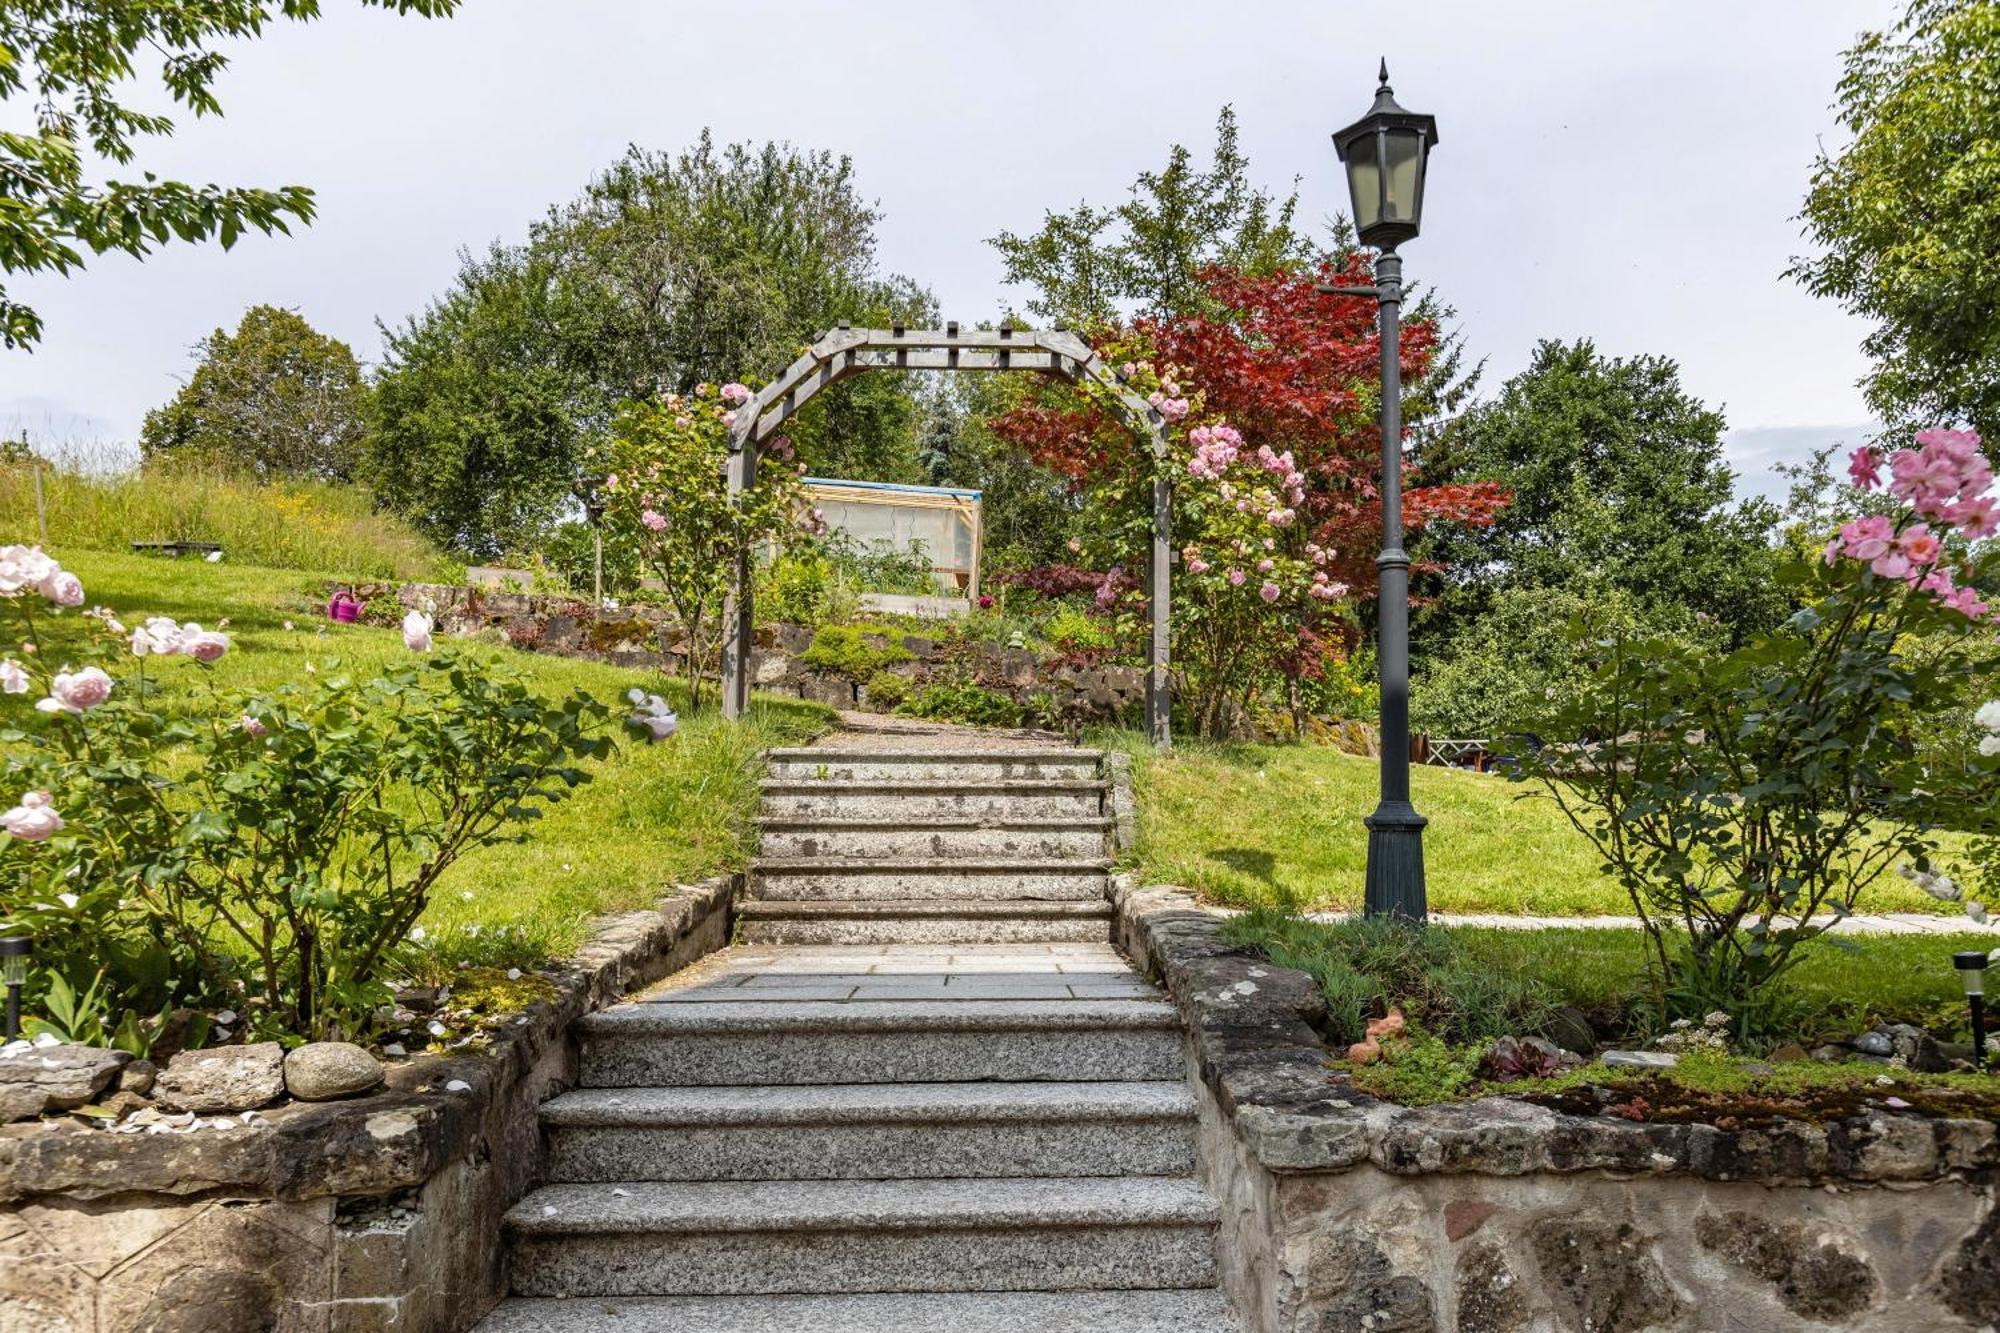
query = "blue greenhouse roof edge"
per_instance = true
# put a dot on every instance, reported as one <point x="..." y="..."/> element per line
<point x="891" y="486"/>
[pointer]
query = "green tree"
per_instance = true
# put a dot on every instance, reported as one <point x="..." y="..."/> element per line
<point x="277" y="399"/>
<point x="668" y="272"/>
<point x="1143" y="257"/>
<point x="64" y="67"/>
<point x="1618" y="485"/>
<point x="1907" y="216"/>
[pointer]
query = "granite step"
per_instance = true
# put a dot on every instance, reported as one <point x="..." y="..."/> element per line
<point x="879" y="1041"/>
<point x="795" y="879"/>
<point x="648" y="1238"/>
<point x="924" y="921"/>
<point x="1086" y="838"/>
<point x="998" y="800"/>
<point x="820" y="764"/>
<point x="975" y="1312"/>
<point x="871" y="1131"/>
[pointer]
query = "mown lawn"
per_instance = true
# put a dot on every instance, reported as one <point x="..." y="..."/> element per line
<point x="654" y="815"/>
<point x="1250" y="824"/>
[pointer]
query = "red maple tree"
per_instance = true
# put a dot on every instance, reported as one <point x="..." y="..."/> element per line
<point x="1289" y="367"/>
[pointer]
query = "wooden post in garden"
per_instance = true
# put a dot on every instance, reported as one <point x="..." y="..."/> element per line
<point x="41" y="512"/>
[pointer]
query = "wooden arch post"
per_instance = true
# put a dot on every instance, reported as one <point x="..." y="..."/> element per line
<point x="847" y="352"/>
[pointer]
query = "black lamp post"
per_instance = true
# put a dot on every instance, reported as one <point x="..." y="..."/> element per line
<point x="1386" y="152"/>
<point x="1971" y="967"/>
<point x="14" y="975"/>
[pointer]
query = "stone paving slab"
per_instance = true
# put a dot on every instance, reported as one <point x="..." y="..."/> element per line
<point x="884" y="973"/>
<point x="975" y="1312"/>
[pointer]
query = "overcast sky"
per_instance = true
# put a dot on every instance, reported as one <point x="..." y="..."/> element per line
<point x="1628" y="172"/>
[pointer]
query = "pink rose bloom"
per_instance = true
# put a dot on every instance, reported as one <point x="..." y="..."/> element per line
<point x="24" y="567"/>
<point x="729" y="418"/>
<point x="417" y="632"/>
<point x="203" y="645"/>
<point x="1864" y="468"/>
<point x="655" y="520"/>
<point x="13" y="677"/>
<point x="1920" y="545"/>
<point x="611" y="482"/>
<point x="1868" y="538"/>
<point x="1974" y="517"/>
<point x="1266" y="566"/>
<point x="158" y="637"/>
<point x="1966" y="602"/>
<point x="75" y="692"/>
<point x="735" y="394"/>
<point x="62" y="588"/>
<point x="1236" y="577"/>
<point x="1198" y="566"/>
<point x="684" y="421"/>
<point x="252" y="726"/>
<point x="1281" y="518"/>
<point x="1269" y="592"/>
<point x="1890" y="566"/>
<point x="34" y="819"/>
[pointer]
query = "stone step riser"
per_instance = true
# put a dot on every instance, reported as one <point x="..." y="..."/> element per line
<point x="1169" y="1311"/>
<point x="936" y="844"/>
<point x="924" y="930"/>
<point x="943" y="772"/>
<point x="883" y="1151"/>
<point x="942" y="803"/>
<point x="966" y="885"/>
<point x="760" y="1059"/>
<point x="944" y="1259"/>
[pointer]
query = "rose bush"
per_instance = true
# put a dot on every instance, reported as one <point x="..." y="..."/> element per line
<point x="1746" y="798"/>
<point x="665" y="488"/>
<point x="268" y="853"/>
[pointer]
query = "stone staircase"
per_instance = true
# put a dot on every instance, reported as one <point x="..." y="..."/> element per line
<point x="923" y="1092"/>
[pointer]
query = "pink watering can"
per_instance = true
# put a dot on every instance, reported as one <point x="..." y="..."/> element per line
<point x="345" y="607"/>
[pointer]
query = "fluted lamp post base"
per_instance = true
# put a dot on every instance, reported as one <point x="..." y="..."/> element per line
<point x="1396" y="862"/>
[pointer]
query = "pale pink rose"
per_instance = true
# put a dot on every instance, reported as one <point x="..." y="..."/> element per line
<point x="1920" y="545"/>
<point x="611" y="482"/>
<point x="735" y="394"/>
<point x="34" y="819"/>
<point x="683" y="421"/>
<point x="1198" y="566"/>
<point x="1890" y="566"/>
<point x="1864" y="467"/>
<point x="24" y="567"/>
<point x="417" y="632"/>
<point x="252" y="726"/>
<point x="158" y="637"/>
<point x="1868" y="538"/>
<point x="655" y="520"/>
<point x="729" y="418"/>
<point x="1236" y="577"/>
<point x="62" y="588"/>
<point x="1269" y="592"/>
<point x="13" y="677"/>
<point x="1266" y="566"/>
<point x="76" y="692"/>
<point x="203" y="645"/>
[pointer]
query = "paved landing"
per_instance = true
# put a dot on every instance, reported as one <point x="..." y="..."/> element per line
<point x="861" y="972"/>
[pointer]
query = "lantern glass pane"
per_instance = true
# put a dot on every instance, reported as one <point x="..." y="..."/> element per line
<point x="1402" y="151"/>
<point x="14" y="969"/>
<point x="1364" y="181"/>
<point x="1974" y="979"/>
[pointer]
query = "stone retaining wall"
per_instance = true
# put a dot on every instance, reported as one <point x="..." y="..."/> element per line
<point x="1341" y="1212"/>
<point x="363" y="1216"/>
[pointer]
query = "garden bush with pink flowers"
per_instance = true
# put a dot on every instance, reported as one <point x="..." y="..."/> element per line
<point x="264" y="853"/>
<point x="1745" y="798"/>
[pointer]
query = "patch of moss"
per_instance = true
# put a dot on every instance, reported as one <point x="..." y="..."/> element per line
<point x="487" y="991"/>
<point x="605" y="635"/>
<point x="855" y="651"/>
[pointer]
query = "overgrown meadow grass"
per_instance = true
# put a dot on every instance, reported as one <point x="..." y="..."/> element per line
<point x="654" y="815"/>
<point x="330" y="530"/>
<point x="1246" y="825"/>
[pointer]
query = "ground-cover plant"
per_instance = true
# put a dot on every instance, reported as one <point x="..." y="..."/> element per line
<point x="335" y="530"/>
<point x="280" y="846"/>
<point x="962" y="701"/>
<point x="664" y="485"/>
<point x="1745" y="799"/>
<point x="855" y="651"/>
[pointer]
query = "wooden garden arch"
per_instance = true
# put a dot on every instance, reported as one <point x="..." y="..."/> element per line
<point x="846" y="352"/>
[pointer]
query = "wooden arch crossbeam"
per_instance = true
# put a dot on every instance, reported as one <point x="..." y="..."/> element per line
<point x="845" y="353"/>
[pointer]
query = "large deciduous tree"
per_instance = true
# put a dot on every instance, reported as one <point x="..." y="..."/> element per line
<point x="65" y="69"/>
<point x="1907" y="215"/>
<point x="668" y="272"/>
<point x="276" y="399"/>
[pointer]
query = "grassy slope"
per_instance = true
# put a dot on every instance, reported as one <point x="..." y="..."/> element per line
<point x="1250" y="824"/>
<point x="655" y="815"/>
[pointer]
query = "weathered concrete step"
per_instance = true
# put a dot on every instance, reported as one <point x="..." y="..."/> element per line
<point x="1086" y="838"/>
<point x="749" y="1237"/>
<point x="933" y="766"/>
<point x="969" y="1312"/>
<point x="872" y="1131"/>
<point x="924" y="921"/>
<point x="1022" y="800"/>
<point x="879" y="1041"/>
<point x="836" y="878"/>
